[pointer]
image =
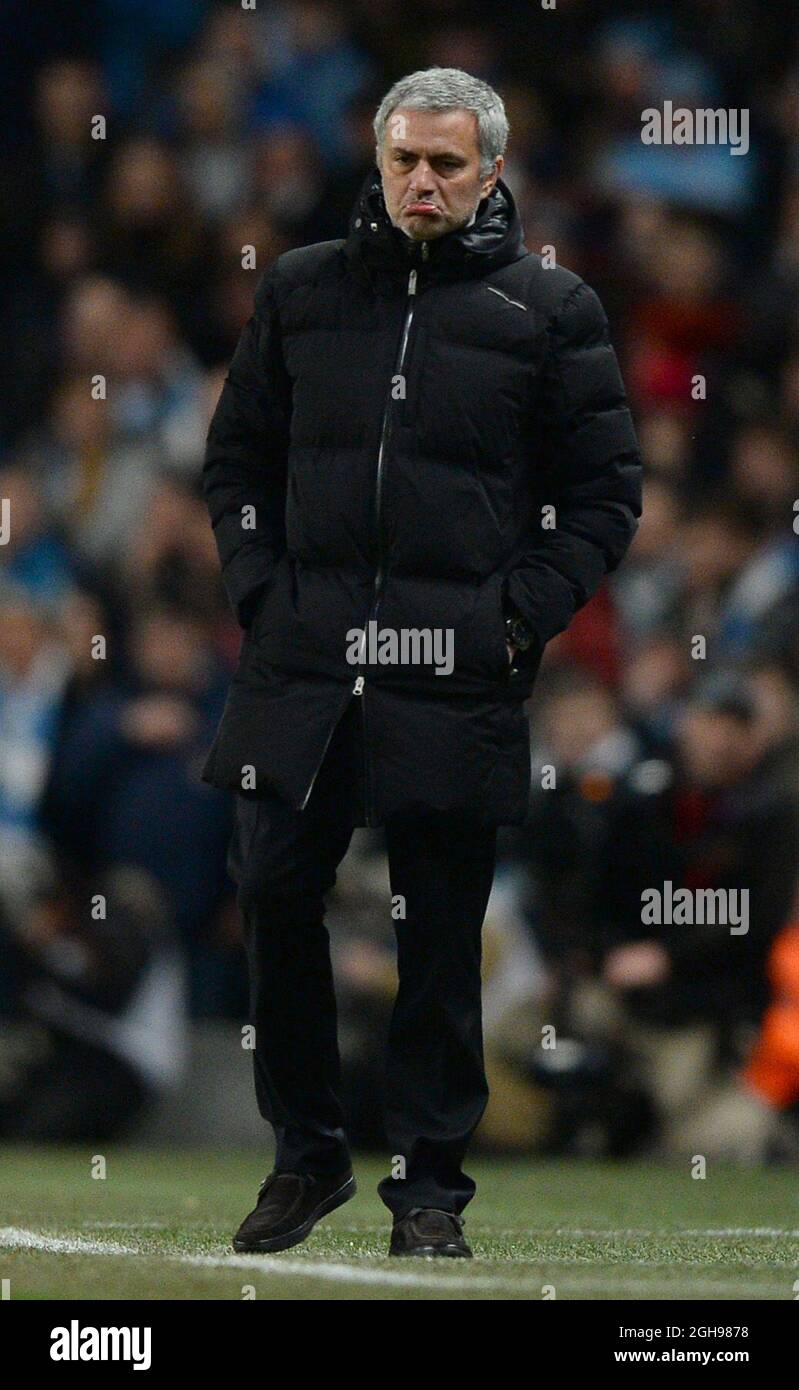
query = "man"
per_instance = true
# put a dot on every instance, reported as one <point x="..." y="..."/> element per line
<point x="400" y="408"/>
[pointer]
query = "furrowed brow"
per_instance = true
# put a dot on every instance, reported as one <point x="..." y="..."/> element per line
<point x="442" y="154"/>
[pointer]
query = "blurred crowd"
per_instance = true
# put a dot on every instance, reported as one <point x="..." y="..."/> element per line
<point x="669" y="710"/>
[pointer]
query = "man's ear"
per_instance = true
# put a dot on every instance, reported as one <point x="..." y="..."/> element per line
<point x="489" y="182"/>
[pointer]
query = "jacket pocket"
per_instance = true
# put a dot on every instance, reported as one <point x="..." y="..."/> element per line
<point x="498" y="612"/>
<point x="261" y="614"/>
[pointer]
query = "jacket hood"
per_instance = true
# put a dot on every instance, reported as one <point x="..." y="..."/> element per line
<point x="494" y="239"/>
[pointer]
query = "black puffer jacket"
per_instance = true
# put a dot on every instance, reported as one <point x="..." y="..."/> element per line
<point x="395" y="419"/>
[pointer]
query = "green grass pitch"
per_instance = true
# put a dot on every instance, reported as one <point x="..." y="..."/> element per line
<point x="158" y="1226"/>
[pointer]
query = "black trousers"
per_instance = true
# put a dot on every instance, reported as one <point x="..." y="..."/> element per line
<point x="284" y="862"/>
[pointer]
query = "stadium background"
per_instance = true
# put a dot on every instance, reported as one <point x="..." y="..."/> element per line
<point x="122" y="257"/>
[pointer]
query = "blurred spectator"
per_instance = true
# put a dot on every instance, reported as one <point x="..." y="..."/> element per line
<point x="33" y="673"/>
<point x="772" y="1070"/>
<point x="314" y="73"/>
<point x="678" y="1001"/>
<point x="124" y="787"/>
<point x="215" y="162"/>
<point x="103" y="984"/>
<point x="152" y="237"/>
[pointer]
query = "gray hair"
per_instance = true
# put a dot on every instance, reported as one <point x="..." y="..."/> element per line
<point x="446" y="89"/>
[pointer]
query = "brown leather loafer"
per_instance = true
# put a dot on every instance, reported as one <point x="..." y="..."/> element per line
<point x="289" y="1206"/>
<point x="428" y="1232"/>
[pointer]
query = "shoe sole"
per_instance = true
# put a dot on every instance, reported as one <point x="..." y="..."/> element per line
<point x="271" y="1244"/>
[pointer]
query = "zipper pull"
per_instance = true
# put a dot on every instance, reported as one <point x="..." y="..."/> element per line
<point x="412" y="281"/>
<point x="357" y="689"/>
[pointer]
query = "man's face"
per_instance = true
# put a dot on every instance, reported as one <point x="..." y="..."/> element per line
<point x="430" y="165"/>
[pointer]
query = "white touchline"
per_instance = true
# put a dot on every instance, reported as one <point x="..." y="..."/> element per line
<point x="352" y="1274"/>
<point x="660" y="1233"/>
<point x="12" y="1237"/>
<point x="744" y="1231"/>
<point x="347" y="1273"/>
<point x="699" y="1288"/>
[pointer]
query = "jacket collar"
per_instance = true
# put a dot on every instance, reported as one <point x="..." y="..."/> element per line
<point x="376" y="248"/>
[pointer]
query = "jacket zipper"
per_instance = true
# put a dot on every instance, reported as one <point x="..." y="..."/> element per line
<point x="360" y="679"/>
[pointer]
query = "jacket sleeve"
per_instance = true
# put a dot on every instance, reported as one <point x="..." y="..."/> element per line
<point x="246" y="457"/>
<point x="594" y="469"/>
